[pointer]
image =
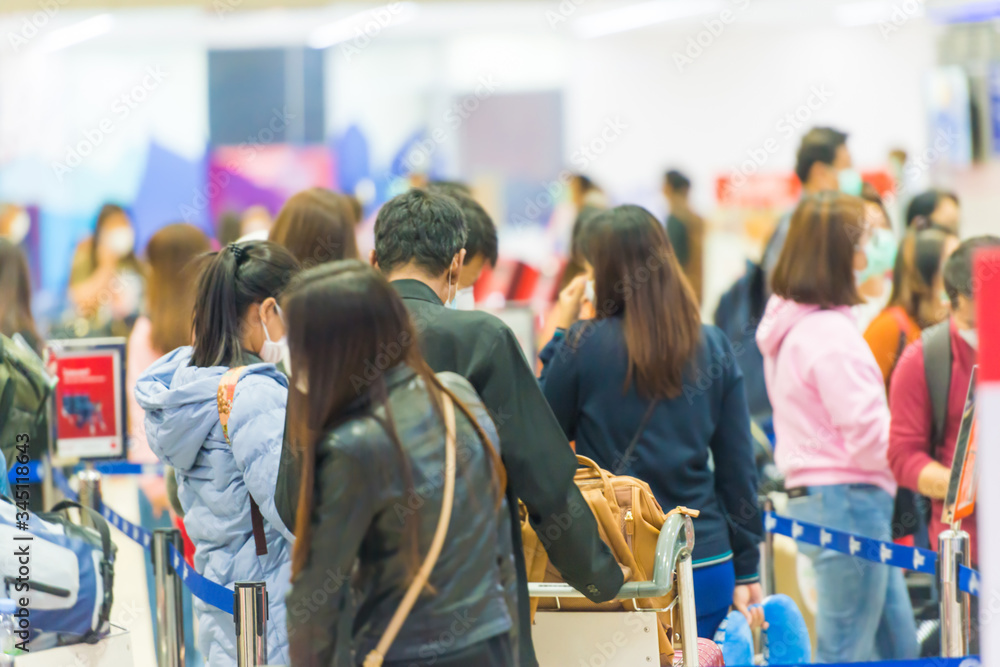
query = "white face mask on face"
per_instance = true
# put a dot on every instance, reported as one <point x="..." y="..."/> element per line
<point x="19" y="227"/>
<point x="465" y="299"/>
<point x="273" y="351"/>
<point x="970" y="336"/>
<point x="590" y="291"/>
<point x="120" y="241"/>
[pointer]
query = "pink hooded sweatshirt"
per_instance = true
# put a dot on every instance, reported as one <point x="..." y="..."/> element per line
<point x="831" y="418"/>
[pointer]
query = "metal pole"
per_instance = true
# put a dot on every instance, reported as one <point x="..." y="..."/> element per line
<point x="169" y="606"/>
<point x="250" y="616"/>
<point x="953" y="550"/>
<point x="689" y="617"/>
<point x="90" y="492"/>
<point x="767" y="582"/>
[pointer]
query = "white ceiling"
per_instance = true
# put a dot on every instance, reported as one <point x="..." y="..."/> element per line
<point x="261" y="23"/>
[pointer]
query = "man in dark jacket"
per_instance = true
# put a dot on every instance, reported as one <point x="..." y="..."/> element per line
<point x="419" y="246"/>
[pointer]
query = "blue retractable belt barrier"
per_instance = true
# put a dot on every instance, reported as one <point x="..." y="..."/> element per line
<point x="966" y="661"/>
<point x="968" y="580"/>
<point x="887" y="553"/>
<point x="205" y="590"/>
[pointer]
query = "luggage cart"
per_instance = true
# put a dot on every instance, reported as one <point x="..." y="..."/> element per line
<point x="623" y="639"/>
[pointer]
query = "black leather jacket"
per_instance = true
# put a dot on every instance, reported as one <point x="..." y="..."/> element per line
<point x="361" y="506"/>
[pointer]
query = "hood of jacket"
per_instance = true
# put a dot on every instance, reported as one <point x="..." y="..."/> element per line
<point x="780" y="316"/>
<point x="181" y="405"/>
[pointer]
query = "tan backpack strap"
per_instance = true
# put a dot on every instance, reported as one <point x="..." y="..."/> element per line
<point x="377" y="655"/>
<point x="224" y="398"/>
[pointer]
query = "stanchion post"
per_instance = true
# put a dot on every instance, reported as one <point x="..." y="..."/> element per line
<point x="767" y="582"/>
<point x="169" y="606"/>
<point x="90" y="492"/>
<point x="953" y="550"/>
<point x="250" y="617"/>
<point x="689" y="616"/>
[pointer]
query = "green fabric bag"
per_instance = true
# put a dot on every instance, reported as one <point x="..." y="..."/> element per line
<point x="24" y="391"/>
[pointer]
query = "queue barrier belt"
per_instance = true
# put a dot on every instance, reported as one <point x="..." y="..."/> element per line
<point x="204" y="589"/>
<point x="876" y="551"/>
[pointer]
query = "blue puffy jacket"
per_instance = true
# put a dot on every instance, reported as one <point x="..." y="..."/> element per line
<point x="215" y="481"/>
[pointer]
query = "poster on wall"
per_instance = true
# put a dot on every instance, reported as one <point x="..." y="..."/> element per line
<point x="90" y="397"/>
<point x="961" y="499"/>
<point x="949" y="117"/>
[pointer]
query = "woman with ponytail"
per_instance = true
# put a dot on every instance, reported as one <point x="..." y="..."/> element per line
<point x="215" y="412"/>
<point x="368" y="420"/>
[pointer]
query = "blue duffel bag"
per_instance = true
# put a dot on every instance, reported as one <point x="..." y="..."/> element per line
<point x="59" y="573"/>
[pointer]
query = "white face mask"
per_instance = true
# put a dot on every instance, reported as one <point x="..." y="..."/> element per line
<point x="19" y="227"/>
<point x="465" y="299"/>
<point x="970" y="336"/>
<point x="120" y="241"/>
<point x="301" y="382"/>
<point x="590" y="291"/>
<point x="273" y="351"/>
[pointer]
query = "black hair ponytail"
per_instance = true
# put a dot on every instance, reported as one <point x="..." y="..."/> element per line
<point x="237" y="277"/>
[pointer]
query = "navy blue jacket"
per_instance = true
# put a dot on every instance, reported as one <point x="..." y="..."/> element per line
<point x="583" y="379"/>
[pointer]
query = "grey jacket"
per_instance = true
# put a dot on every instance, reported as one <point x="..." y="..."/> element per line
<point x="362" y="501"/>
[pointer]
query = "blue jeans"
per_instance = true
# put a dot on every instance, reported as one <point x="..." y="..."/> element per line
<point x="713" y="595"/>
<point x="864" y="610"/>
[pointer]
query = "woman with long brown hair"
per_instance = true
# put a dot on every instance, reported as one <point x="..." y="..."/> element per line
<point x="317" y="226"/>
<point x="166" y="325"/>
<point x="647" y="390"/>
<point x="370" y="421"/>
<point x="15" y="296"/>
<point x="917" y="300"/>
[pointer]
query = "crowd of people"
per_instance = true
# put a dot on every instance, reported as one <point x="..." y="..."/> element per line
<point x="303" y="397"/>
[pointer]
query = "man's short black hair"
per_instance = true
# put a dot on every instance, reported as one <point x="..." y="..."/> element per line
<point x="958" y="269"/>
<point x="922" y="206"/>
<point x="819" y="144"/>
<point x="481" y="233"/>
<point x="418" y="226"/>
<point x="677" y="181"/>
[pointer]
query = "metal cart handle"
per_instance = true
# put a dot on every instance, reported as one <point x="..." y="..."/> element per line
<point x="676" y="542"/>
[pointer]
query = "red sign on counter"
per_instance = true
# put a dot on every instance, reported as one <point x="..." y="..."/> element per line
<point x="89" y="409"/>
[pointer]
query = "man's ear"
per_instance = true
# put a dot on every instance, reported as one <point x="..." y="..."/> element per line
<point x="458" y="261"/>
<point x="371" y="258"/>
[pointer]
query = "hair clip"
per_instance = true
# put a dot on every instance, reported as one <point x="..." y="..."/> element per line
<point x="239" y="251"/>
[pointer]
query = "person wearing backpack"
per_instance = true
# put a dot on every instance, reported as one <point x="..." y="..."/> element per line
<point x="822" y="163"/>
<point x="645" y="389"/>
<point x="215" y="412"/>
<point x="831" y="421"/>
<point x="928" y="391"/>
<point x="380" y="489"/>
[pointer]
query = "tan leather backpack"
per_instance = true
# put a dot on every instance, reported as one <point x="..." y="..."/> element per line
<point x="629" y="519"/>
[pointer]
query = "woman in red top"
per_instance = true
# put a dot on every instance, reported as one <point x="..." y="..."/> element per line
<point x="917" y="300"/>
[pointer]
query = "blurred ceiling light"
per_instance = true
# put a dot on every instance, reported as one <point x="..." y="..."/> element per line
<point x="63" y="38"/>
<point x="366" y="24"/>
<point x="642" y="15"/>
<point x="864" y="13"/>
